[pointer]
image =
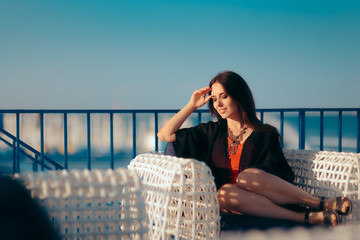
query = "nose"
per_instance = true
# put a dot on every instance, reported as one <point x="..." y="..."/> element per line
<point x="218" y="103"/>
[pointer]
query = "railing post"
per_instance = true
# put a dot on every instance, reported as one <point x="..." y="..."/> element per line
<point x="301" y="129"/>
<point x="340" y="131"/>
<point x="134" y="133"/>
<point x="66" y="161"/>
<point x="358" y="133"/>
<point x="282" y="128"/>
<point x="1" y="120"/>
<point x="15" y="152"/>
<point x="321" y="130"/>
<point x="156" y="130"/>
<point x="199" y="117"/>
<point x="17" y="164"/>
<point x="42" y="141"/>
<point x="35" y="163"/>
<point x="111" y="140"/>
<point x="88" y="141"/>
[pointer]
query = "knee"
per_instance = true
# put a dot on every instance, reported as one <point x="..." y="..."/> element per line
<point x="225" y="194"/>
<point x="250" y="179"/>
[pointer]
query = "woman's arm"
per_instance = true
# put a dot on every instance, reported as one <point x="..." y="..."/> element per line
<point x="198" y="99"/>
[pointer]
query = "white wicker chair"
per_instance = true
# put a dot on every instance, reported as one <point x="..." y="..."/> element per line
<point x="181" y="197"/>
<point x="328" y="174"/>
<point x="320" y="173"/>
<point x="167" y="179"/>
<point x="91" y="205"/>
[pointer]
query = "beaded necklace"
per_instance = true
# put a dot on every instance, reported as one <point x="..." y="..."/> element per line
<point x="235" y="140"/>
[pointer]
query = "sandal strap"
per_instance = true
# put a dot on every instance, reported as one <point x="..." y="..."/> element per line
<point x="339" y="204"/>
<point x="306" y="220"/>
<point x="321" y="206"/>
<point x="327" y="217"/>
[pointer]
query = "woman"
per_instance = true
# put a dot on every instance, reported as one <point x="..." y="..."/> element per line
<point x="251" y="173"/>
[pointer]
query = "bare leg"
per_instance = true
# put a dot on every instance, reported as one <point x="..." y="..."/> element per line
<point x="239" y="201"/>
<point x="279" y="191"/>
<point x="275" y="188"/>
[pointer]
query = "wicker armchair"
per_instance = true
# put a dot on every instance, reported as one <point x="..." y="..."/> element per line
<point x="95" y="204"/>
<point x="181" y="197"/>
<point x="328" y="174"/>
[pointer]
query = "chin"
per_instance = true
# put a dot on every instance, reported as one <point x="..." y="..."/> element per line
<point x="224" y="116"/>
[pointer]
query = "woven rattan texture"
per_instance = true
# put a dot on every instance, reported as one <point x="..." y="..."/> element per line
<point x="181" y="197"/>
<point x="92" y="205"/>
<point x="328" y="174"/>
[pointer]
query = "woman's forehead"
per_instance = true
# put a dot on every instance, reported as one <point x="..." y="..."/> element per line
<point x="217" y="89"/>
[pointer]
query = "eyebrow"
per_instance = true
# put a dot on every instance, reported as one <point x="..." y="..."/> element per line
<point x="222" y="93"/>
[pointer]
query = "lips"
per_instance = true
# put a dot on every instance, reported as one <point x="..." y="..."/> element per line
<point x="222" y="111"/>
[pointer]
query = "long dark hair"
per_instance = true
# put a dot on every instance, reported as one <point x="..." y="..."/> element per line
<point x="237" y="88"/>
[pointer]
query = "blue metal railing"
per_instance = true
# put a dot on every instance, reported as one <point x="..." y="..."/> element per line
<point x="44" y="160"/>
<point x="15" y="145"/>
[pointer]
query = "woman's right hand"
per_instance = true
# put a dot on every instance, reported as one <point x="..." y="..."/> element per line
<point x="198" y="98"/>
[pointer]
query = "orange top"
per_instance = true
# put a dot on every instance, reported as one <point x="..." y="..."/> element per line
<point x="235" y="162"/>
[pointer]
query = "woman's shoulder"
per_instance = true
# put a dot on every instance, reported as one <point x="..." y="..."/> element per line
<point x="209" y="128"/>
<point x="212" y="124"/>
<point x="266" y="131"/>
<point x="202" y="128"/>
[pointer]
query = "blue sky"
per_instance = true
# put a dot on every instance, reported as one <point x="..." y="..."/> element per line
<point x="153" y="54"/>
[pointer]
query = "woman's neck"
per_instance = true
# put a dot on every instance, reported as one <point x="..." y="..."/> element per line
<point x="236" y="126"/>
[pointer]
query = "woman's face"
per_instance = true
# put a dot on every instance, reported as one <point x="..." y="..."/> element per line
<point x="223" y="103"/>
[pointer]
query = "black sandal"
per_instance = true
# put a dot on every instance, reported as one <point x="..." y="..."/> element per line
<point x="327" y="218"/>
<point x="339" y="203"/>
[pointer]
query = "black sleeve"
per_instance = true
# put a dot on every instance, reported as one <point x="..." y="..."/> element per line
<point x="194" y="142"/>
<point x="270" y="158"/>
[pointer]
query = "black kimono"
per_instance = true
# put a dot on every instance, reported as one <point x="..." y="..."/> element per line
<point x="207" y="142"/>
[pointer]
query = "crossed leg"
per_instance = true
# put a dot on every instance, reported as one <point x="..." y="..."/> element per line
<point x="236" y="200"/>
<point x="259" y="193"/>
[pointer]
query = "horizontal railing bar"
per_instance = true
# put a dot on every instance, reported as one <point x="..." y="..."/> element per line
<point x="151" y="111"/>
